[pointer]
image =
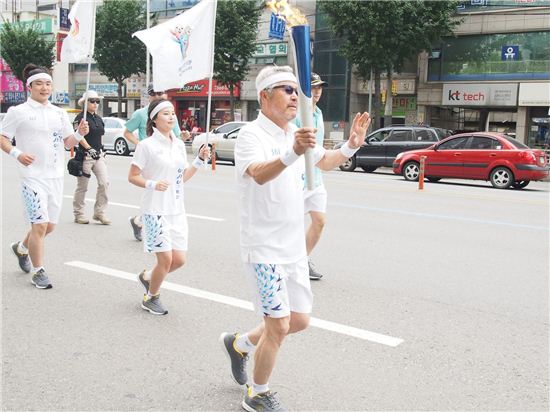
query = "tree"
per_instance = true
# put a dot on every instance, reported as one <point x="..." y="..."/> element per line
<point x="117" y="53"/>
<point x="23" y="45"/>
<point x="236" y="31"/>
<point x="382" y="35"/>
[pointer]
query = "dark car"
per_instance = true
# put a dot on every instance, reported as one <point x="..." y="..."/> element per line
<point x="382" y="146"/>
<point x="501" y="159"/>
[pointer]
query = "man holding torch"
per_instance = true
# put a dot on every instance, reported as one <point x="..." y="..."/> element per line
<point x="270" y="173"/>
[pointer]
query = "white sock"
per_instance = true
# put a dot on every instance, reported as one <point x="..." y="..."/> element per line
<point x="22" y="249"/>
<point x="149" y="295"/>
<point x="147" y="274"/>
<point x="36" y="269"/>
<point x="137" y="220"/>
<point x="243" y="344"/>
<point x="256" y="389"/>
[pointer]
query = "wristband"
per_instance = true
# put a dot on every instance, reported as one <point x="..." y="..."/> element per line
<point x="15" y="152"/>
<point x="347" y="151"/>
<point x="289" y="157"/>
<point x="198" y="162"/>
<point x="78" y="136"/>
<point x="150" y="184"/>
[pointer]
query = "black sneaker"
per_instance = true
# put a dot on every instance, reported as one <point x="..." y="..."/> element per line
<point x="40" y="280"/>
<point x="153" y="305"/>
<point x="313" y="273"/>
<point x="262" y="402"/>
<point x="135" y="228"/>
<point x="238" y="359"/>
<point x="23" y="258"/>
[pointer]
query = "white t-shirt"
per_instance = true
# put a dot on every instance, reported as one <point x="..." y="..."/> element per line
<point x="39" y="130"/>
<point x="160" y="158"/>
<point x="272" y="214"/>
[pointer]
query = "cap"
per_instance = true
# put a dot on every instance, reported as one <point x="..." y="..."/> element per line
<point x="316" y="80"/>
<point x="151" y="89"/>
<point x="90" y="94"/>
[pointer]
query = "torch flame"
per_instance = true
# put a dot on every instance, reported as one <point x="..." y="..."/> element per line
<point x="291" y="15"/>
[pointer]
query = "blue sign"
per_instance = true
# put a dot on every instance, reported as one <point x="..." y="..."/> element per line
<point x="510" y="53"/>
<point x="14" y="97"/>
<point x="64" y="22"/>
<point x="277" y="27"/>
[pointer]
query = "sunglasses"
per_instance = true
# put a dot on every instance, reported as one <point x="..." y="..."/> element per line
<point x="156" y="93"/>
<point x="93" y="101"/>
<point x="288" y="89"/>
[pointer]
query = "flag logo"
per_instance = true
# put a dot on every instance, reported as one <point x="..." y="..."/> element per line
<point x="182" y="35"/>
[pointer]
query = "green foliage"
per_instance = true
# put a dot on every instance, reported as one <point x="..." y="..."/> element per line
<point x="21" y="46"/>
<point x="383" y="34"/>
<point x="236" y="30"/>
<point x="117" y="53"/>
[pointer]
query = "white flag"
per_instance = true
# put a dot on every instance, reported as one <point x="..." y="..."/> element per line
<point x="79" y="43"/>
<point x="182" y="47"/>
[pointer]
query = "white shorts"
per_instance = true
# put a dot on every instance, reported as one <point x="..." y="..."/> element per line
<point x="280" y="288"/>
<point x="315" y="200"/>
<point x="42" y="199"/>
<point x="164" y="233"/>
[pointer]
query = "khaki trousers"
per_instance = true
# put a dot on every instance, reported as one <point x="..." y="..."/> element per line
<point x="99" y="168"/>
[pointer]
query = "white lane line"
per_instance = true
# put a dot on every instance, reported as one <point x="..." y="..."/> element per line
<point x="243" y="304"/>
<point x="213" y="219"/>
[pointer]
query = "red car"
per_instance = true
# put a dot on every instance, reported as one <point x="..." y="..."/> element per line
<point x="485" y="156"/>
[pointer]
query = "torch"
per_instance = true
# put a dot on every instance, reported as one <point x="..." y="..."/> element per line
<point x="299" y="33"/>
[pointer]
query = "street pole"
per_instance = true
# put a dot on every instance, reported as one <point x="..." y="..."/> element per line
<point x="147" y="63"/>
<point x="370" y="99"/>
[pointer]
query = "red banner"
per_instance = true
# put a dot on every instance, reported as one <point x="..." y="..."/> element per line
<point x="200" y="89"/>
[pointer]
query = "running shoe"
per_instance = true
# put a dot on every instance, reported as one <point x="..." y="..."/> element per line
<point x="40" y="280"/>
<point x="238" y="359"/>
<point x="143" y="281"/>
<point x="262" y="402"/>
<point x="23" y="258"/>
<point x="153" y="305"/>
<point x="135" y="228"/>
<point x="313" y="273"/>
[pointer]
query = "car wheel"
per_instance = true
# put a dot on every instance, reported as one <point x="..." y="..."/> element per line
<point x="434" y="179"/>
<point x="501" y="178"/>
<point x="121" y="147"/>
<point x="411" y="171"/>
<point x="349" y="166"/>
<point x="520" y="184"/>
<point x="369" y="169"/>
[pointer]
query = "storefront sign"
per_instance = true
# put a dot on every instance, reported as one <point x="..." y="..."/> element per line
<point x="134" y="87"/>
<point x="10" y="83"/>
<point x="534" y="94"/>
<point x="399" y="86"/>
<point x="403" y="105"/>
<point x="276" y="27"/>
<point x="270" y="49"/>
<point x="13" y="97"/>
<point x="103" y="89"/>
<point x="64" y="22"/>
<point x="480" y="94"/>
<point x="44" y="26"/>
<point x="60" y="97"/>
<point x="200" y="88"/>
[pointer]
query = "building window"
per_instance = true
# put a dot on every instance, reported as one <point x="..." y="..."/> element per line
<point x="510" y="56"/>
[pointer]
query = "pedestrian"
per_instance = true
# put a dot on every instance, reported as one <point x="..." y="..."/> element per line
<point x="270" y="169"/>
<point x="90" y="164"/>
<point x="138" y="122"/>
<point x="160" y="166"/>
<point x="42" y="130"/>
<point x="315" y="200"/>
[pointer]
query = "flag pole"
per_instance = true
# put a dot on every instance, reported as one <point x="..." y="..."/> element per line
<point x="148" y="63"/>
<point x="209" y="105"/>
<point x="89" y="63"/>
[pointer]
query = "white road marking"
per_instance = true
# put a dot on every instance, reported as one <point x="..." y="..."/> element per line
<point x="213" y="219"/>
<point x="243" y="304"/>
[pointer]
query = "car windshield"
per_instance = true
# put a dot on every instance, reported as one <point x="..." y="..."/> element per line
<point x="515" y="142"/>
<point x="226" y="128"/>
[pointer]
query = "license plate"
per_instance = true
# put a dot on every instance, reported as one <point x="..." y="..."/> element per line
<point x="541" y="160"/>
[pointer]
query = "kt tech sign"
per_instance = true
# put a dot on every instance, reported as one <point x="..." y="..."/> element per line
<point x="482" y="94"/>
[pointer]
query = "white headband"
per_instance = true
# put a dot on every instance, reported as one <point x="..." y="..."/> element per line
<point x="39" y="76"/>
<point x="273" y="79"/>
<point x="160" y="106"/>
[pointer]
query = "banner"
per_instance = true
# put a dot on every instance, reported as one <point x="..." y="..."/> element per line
<point x="79" y="44"/>
<point x="182" y="47"/>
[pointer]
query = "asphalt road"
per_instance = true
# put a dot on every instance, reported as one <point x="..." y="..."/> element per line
<point x="432" y="300"/>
